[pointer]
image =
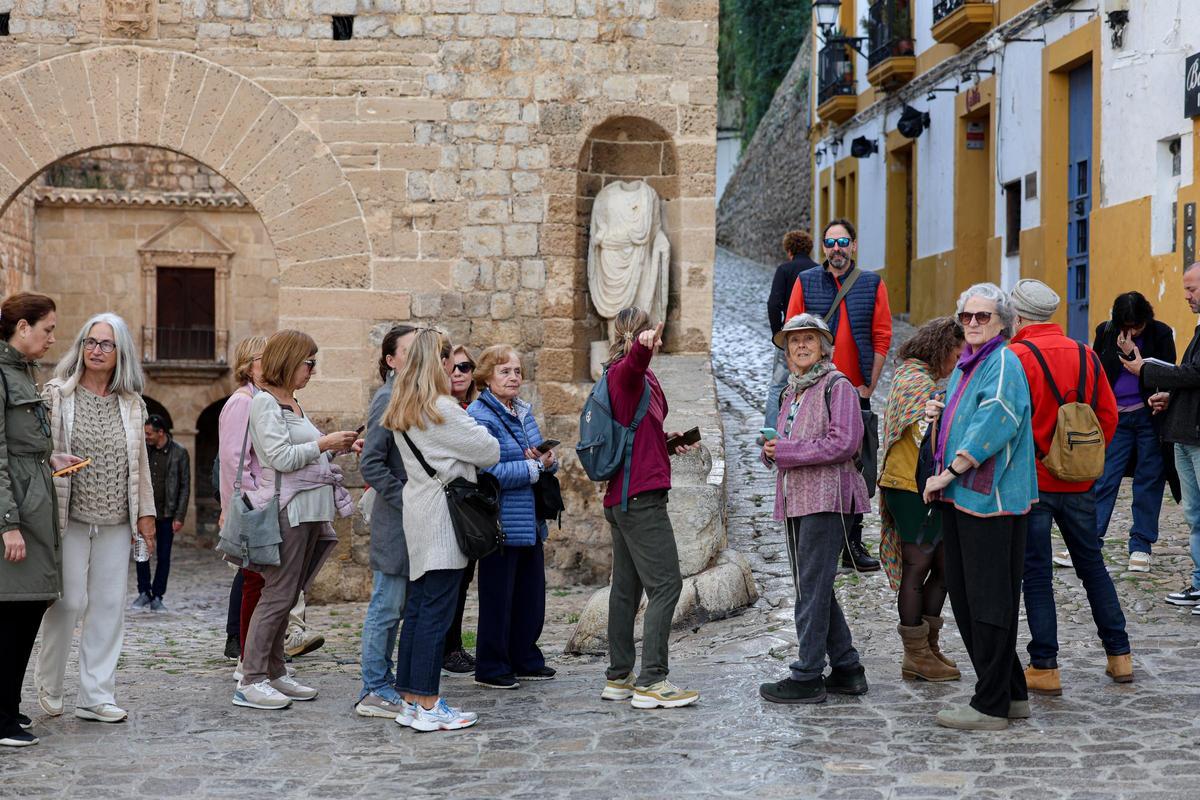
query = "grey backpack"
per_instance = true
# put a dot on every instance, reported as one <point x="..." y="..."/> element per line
<point x="605" y="445"/>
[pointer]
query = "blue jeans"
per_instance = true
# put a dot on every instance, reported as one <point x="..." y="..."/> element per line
<point x="379" y="634"/>
<point x="1187" y="463"/>
<point x="432" y="599"/>
<point x="1075" y="513"/>
<point x="779" y="381"/>
<point x="1135" y="436"/>
<point x="164" y="537"/>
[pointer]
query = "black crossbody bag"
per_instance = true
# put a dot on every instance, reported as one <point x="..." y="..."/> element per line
<point x="547" y="492"/>
<point x="474" y="509"/>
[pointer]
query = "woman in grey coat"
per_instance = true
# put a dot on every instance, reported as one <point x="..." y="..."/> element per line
<point x="383" y="470"/>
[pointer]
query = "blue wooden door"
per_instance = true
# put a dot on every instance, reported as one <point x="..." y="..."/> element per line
<point x="1079" y="201"/>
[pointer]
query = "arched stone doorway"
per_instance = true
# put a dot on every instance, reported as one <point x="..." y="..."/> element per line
<point x="208" y="508"/>
<point x="154" y="407"/>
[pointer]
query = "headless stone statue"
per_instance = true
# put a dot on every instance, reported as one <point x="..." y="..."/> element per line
<point x="628" y="257"/>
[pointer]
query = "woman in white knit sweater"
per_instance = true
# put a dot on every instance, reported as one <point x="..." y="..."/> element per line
<point x="454" y="445"/>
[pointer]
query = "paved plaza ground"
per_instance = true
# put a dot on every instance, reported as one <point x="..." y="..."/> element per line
<point x="184" y="738"/>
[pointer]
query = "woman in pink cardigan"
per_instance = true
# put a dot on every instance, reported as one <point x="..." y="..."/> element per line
<point x="818" y="492"/>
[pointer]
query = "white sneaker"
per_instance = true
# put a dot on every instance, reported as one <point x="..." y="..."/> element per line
<point x="1063" y="559"/>
<point x="618" y="690"/>
<point x="50" y="704"/>
<point x="239" y="676"/>
<point x="105" y="712"/>
<point x="260" y="695"/>
<point x="288" y="687"/>
<point x="1139" y="562"/>
<point x="299" y="641"/>
<point x="408" y="712"/>
<point x="442" y="718"/>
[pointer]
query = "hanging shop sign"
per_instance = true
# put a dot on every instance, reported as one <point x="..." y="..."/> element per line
<point x="1191" y="88"/>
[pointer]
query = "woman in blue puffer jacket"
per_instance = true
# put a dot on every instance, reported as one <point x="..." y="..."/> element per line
<point x="512" y="581"/>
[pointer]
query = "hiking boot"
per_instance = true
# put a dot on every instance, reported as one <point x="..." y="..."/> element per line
<point x="375" y="706"/>
<point x="1120" y="668"/>
<point x="965" y="718"/>
<point x="144" y="599"/>
<point x="790" y="691"/>
<point x="620" y="689"/>
<point x="458" y="663"/>
<point x="442" y="717"/>
<point x="1043" y="681"/>
<point x="1019" y="709"/>
<point x="935" y="628"/>
<point x="1139" y="562"/>
<point x="1187" y="596"/>
<point x="663" y="694"/>
<point x="288" y="687"/>
<point x="919" y="661"/>
<point x="498" y="682"/>
<point x="261" y="695"/>
<point x="857" y="558"/>
<point x="543" y="674"/>
<point x="300" y="642"/>
<point x="846" y="680"/>
<point x="233" y="648"/>
<point x="105" y="712"/>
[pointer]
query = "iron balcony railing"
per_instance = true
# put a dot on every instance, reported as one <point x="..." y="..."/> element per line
<point x="835" y="68"/>
<point x="889" y="31"/>
<point x="184" y="344"/>
<point x="945" y="8"/>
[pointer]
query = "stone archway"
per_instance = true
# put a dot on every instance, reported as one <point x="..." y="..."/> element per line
<point x="181" y="102"/>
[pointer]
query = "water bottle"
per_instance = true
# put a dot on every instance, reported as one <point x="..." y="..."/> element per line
<point x="141" y="551"/>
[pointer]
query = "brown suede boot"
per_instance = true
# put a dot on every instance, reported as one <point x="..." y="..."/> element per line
<point x="1043" y="681"/>
<point x="1120" y="668"/>
<point x="935" y="628"/>
<point x="919" y="661"/>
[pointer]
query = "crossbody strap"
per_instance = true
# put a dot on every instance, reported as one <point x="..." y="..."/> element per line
<point x="505" y="422"/>
<point x="1046" y="369"/>
<point x="237" y="479"/>
<point x="847" y="284"/>
<point x="430" y="471"/>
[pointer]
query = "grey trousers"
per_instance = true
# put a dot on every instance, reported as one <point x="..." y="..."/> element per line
<point x="644" y="558"/>
<point x="262" y="657"/>
<point x="814" y="543"/>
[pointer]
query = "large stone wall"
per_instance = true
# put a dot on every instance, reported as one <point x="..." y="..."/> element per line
<point x="768" y="194"/>
<point x="425" y="169"/>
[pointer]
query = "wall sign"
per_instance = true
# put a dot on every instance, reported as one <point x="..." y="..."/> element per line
<point x="1191" y="88"/>
<point x="975" y="136"/>
<point x="1189" y="235"/>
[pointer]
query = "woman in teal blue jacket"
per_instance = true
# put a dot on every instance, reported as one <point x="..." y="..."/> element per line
<point x="986" y="479"/>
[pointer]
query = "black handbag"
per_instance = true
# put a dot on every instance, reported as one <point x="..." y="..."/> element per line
<point x="547" y="492"/>
<point x="926" y="461"/>
<point x="474" y="509"/>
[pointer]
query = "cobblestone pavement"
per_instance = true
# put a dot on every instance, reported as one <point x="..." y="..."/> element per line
<point x="557" y="739"/>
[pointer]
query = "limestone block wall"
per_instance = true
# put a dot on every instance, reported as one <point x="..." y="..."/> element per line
<point x="425" y="169"/>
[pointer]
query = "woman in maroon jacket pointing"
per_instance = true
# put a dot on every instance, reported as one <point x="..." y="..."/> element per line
<point x="644" y="553"/>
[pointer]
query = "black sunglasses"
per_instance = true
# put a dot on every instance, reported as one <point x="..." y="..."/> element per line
<point x="464" y="367"/>
<point x="981" y="318"/>
<point x="841" y="241"/>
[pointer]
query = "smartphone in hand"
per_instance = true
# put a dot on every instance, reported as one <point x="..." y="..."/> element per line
<point x="769" y="433"/>
<point x="70" y="469"/>
<point x="687" y="438"/>
<point x="547" y="446"/>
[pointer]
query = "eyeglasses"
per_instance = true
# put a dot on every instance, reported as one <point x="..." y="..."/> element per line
<point x="981" y="318"/>
<point x="841" y="241"/>
<point x="311" y="363"/>
<point x="106" y="345"/>
<point x="464" y="367"/>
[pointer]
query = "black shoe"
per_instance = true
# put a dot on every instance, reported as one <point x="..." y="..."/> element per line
<point x="15" y="737"/>
<point x="459" y="662"/>
<point x="847" y="681"/>
<point x="233" y="647"/>
<point x="543" y="674"/>
<point x="858" y="559"/>
<point x="499" y="682"/>
<point x="25" y="722"/>
<point x="791" y="692"/>
<point x="1187" y="596"/>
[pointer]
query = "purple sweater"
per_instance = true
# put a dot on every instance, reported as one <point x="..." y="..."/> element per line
<point x="816" y="461"/>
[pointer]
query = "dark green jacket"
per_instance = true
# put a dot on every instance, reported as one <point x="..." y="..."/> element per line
<point x="27" y="499"/>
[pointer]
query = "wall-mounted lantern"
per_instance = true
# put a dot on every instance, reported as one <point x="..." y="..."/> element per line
<point x="912" y="122"/>
<point x="862" y="147"/>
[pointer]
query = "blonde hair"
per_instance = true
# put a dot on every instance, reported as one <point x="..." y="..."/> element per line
<point x="283" y="354"/>
<point x="418" y="385"/>
<point x="472" y="390"/>
<point x="628" y="323"/>
<point x="247" y="350"/>
<point x="490" y="360"/>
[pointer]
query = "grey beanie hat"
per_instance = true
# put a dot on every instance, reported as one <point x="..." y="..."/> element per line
<point x="1033" y="300"/>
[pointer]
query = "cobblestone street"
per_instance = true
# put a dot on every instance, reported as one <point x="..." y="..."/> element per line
<point x="184" y="739"/>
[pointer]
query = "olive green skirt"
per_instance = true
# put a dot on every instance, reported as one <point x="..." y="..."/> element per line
<point x="916" y="522"/>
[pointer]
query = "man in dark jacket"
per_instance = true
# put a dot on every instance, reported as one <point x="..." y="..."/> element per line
<point x="1179" y="395"/>
<point x="796" y="245"/>
<point x="170" y="474"/>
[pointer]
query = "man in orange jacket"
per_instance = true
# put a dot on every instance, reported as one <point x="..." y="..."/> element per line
<point x="1072" y="505"/>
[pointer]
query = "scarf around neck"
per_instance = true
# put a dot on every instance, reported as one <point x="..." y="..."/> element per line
<point x="912" y="386"/>
<point x="967" y="362"/>
<point x="798" y="383"/>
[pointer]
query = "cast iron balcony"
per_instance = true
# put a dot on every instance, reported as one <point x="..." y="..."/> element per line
<point x="891" y="56"/>
<point x="837" y="99"/>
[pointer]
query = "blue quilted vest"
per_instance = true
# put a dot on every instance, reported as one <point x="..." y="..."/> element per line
<point x="819" y="291"/>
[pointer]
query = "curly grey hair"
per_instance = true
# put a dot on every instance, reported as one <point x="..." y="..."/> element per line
<point x="992" y="292"/>
<point x="127" y="377"/>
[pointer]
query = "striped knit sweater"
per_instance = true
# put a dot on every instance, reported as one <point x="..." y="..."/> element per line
<point x="454" y="449"/>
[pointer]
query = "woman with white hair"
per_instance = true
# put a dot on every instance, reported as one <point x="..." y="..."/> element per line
<point x="986" y="482"/>
<point x="818" y="491"/>
<point x="96" y="412"/>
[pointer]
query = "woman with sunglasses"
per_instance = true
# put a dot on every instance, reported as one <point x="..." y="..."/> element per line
<point x="986" y="484"/>
<point x="455" y="659"/>
<point x="96" y="412"/>
<point x="31" y="570"/>
<point x="287" y="443"/>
